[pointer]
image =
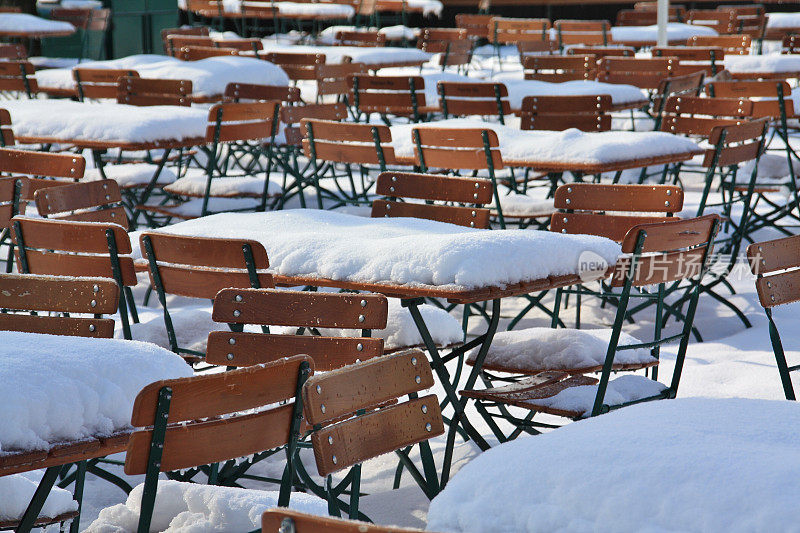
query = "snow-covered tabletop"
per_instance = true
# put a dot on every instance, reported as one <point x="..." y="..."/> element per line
<point x="66" y="121"/>
<point x="57" y="389"/>
<point x="370" y="56"/>
<point x="428" y="7"/>
<point x="691" y="464"/>
<point x="783" y="20"/>
<point x="676" y="33"/>
<point x="570" y="149"/>
<point x="208" y="76"/>
<point x="763" y="64"/>
<point x="414" y="253"/>
<point x="24" y="25"/>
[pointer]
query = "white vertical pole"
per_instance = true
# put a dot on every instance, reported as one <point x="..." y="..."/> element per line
<point x="663" y="18"/>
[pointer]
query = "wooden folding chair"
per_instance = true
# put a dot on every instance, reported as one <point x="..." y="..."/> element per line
<point x="332" y="79"/>
<point x="91" y="26"/>
<point x="750" y="20"/>
<point x="250" y="92"/>
<point x="200" y="31"/>
<point x="97" y="83"/>
<point x="461" y="99"/>
<point x="397" y="96"/>
<point x="723" y="22"/>
<point x="13" y="52"/>
<point x="600" y="52"/>
<point x="174" y="42"/>
<point x="91" y="201"/>
<point x="461" y="198"/>
<point x="708" y="60"/>
<point x="655" y="254"/>
<point x="22" y="295"/>
<point x="644" y="73"/>
<point x="685" y="85"/>
<point x="79" y="249"/>
<point x="240" y="139"/>
<point x="148" y="92"/>
<point x="558" y="113"/>
<point x="330" y="144"/>
<point x="199" y="268"/>
<point x="196" y="53"/>
<point x="190" y="422"/>
<point x="213" y="11"/>
<point x="371" y="422"/>
<point x="647" y="17"/>
<point x="731" y="44"/>
<point x="452" y="46"/>
<point x="298" y="175"/>
<point x="504" y="31"/>
<point x="360" y="38"/>
<point x="591" y="32"/>
<point x="775" y="265"/>
<point x="536" y="48"/>
<point x="557" y="69"/>
<point x="17" y="77"/>
<point x="477" y="26"/>
<point x="282" y="520"/>
<point x="296" y="65"/>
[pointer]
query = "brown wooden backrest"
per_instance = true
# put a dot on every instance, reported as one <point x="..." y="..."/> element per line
<point x="452" y="53"/>
<point x="456" y="148"/>
<point x="241" y="44"/>
<point x="70" y="248"/>
<point x="298" y="309"/>
<point x="607" y="210"/>
<point x="764" y="94"/>
<point x="477" y="26"/>
<point x="645" y="73"/>
<point x="742" y="142"/>
<point x="200" y="267"/>
<point x="192" y="440"/>
<point x="468" y="98"/>
<point x="196" y="53"/>
<point x="197" y="31"/>
<point x="205" y="8"/>
<point x="297" y="66"/>
<point x="583" y="31"/>
<point x="99" y="82"/>
<point x="601" y="51"/>
<point x="13" y="52"/>
<point x="236" y="92"/>
<point x="28" y="292"/>
<point x="443" y="34"/>
<point x="274" y="520"/>
<point x="691" y="53"/>
<point x="556" y="69"/>
<point x="721" y="21"/>
<point x="176" y="42"/>
<point x="692" y="115"/>
<point x="360" y="38"/>
<point x="510" y="30"/>
<point x="90" y="201"/>
<point x="387" y="94"/>
<point x="259" y="10"/>
<point x="732" y="44"/>
<point x="78" y="17"/>
<point x="776" y="264"/>
<point x="6" y="132"/>
<point x="332" y="79"/>
<point x="242" y="121"/>
<point x="342" y="393"/>
<point x="558" y="113"/>
<point x="537" y="47"/>
<point x="148" y="92"/>
<point x="18" y="76"/>
<point x="434" y="187"/>
<point x="673" y="251"/>
<point x="342" y="142"/>
<point x="42" y="163"/>
<point x="646" y="17"/>
<point x="292" y="115"/>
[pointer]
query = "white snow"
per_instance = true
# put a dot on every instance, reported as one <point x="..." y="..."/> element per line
<point x="194" y="206"/>
<point x="679" y="465"/>
<point x="25" y="23"/>
<point x="649" y="34"/>
<point x="522" y="205"/>
<point x="132" y="174"/>
<point x="783" y="20"/>
<point x="189" y="507"/>
<point x="208" y="76"/>
<point x="324" y="244"/>
<point x="569" y="146"/>
<point x="16" y="492"/>
<point x="194" y="184"/>
<point x="770" y="63"/>
<point x="623" y="389"/>
<point x="68" y="388"/>
<point x="557" y="349"/>
<point x="518" y="89"/>
<point x="66" y="120"/>
<point x="373" y="56"/>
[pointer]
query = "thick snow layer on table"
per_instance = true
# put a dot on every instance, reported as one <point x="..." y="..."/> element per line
<point x="518" y="89"/>
<point x="392" y="33"/>
<point x="208" y="76"/>
<point x="324" y="244"/>
<point x="649" y="34"/>
<point x="783" y="20"/>
<point x="557" y="349"/>
<point x="25" y="23"/>
<point x="569" y="146"/>
<point x="401" y="332"/>
<point x="132" y="174"/>
<point x="429" y="7"/>
<point x="766" y="63"/>
<point x="53" y="62"/>
<point x="189" y="507"/>
<point x="194" y="206"/>
<point x="678" y="465"/>
<point x="60" y="388"/>
<point x="522" y="205"/>
<point x="63" y="119"/>
<point x="383" y="55"/>
<point x="16" y="492"/>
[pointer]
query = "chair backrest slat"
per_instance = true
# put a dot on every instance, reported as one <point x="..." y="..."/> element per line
<point x="149" y="92"/>
<point x="776" y="264"/>
<point x="556" y="69"/>
<point x="242" y="121"/>
<point x="99" y="82"/>
<point x="93" y="201"/>
<point x="345" y="142"/>
<point x="42" y="164"/>
<point x="251" y="92"/>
